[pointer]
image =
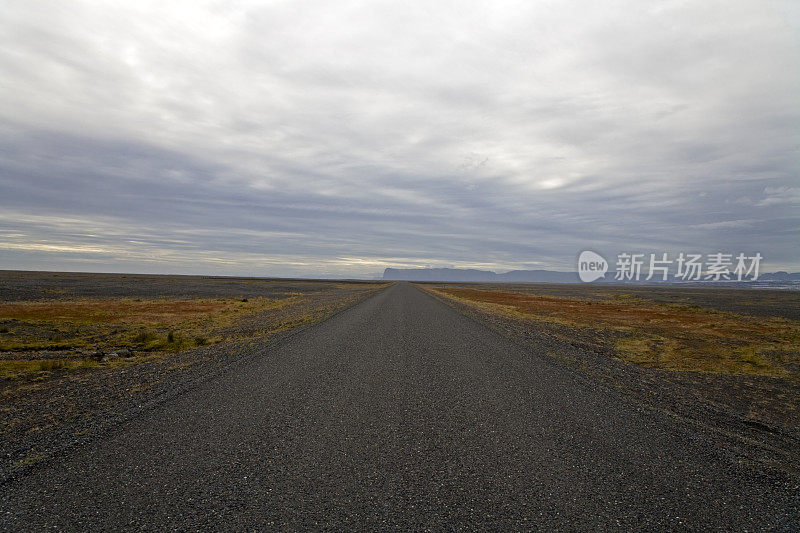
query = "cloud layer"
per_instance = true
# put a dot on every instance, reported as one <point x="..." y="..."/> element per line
<point x="339" y="138"/>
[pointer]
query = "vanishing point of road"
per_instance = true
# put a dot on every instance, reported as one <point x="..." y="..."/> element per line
<point x="399" y="412"/>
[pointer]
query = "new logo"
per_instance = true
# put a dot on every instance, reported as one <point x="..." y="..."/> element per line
<point x="591" y="266"/>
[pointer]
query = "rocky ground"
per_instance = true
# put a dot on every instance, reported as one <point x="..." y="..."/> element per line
<point x="45" y="412"/>
<point x="400" y="413"/>
<point x="759" y="409"/>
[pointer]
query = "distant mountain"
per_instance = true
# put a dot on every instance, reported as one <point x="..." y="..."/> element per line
<point x="471" y="274"/>
<point x="529" y="276"/>
<point x="780" y="276"/>
<point x="548" y="276"/>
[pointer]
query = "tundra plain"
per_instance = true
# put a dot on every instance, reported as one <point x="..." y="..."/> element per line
<point x="78" y="351"/>
<point x="363" y="406"/>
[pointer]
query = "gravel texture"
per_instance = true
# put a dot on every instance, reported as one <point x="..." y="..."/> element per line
<point x="753" y="409"/>
<point x="19" y="286"/>
<point x="41" y="416"/>
<point x="400" y="412"/>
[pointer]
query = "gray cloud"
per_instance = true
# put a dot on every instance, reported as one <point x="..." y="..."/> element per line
<point x="318" y="138"/>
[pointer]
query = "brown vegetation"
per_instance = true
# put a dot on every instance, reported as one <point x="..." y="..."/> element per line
<point x="661" y="335"/>
<point x="33" y="330"/>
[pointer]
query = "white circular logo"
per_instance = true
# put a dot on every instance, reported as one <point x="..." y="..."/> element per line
<point x="591" y="266"/>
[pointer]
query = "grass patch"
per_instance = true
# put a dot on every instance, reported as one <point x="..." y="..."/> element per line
<point x="180" y="366"/>
<point x="661" y="335"/>
<point x="29" y="460"/>
<point x="141" y="387"/>
<point x="123" y="311"/>
<point x="15" y="369"/>
<point x="149" y="325"/>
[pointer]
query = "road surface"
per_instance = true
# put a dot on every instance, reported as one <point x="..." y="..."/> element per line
<point x="399" y="412"/>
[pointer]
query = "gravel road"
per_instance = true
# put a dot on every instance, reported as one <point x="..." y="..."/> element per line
<point x="401" y="412"/>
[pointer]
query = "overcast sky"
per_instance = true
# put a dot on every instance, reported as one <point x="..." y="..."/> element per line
<point x="339" y="138"/>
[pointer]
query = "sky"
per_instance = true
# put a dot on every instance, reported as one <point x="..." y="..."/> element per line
<point x="323" y="139"/>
